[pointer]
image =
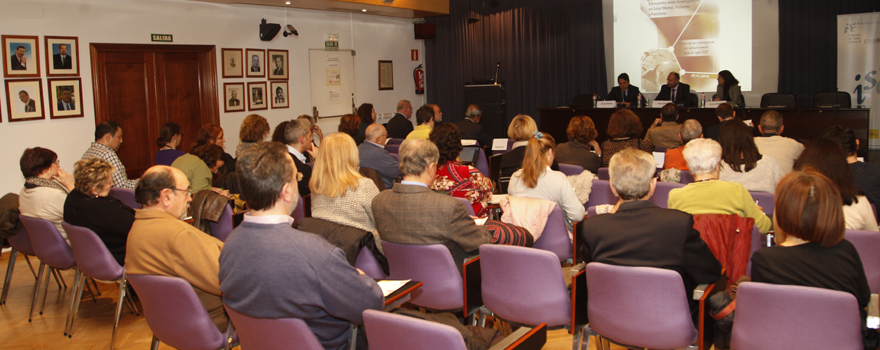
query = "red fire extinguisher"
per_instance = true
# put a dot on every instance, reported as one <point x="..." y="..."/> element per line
<point x="419" y="78"/>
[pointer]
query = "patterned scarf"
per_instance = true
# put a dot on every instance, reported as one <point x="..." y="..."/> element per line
<point x="31" y="182"/>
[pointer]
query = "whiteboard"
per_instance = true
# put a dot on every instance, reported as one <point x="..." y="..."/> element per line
<point x="332" y="81"/>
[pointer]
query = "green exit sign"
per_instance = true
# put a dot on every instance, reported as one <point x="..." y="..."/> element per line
<point x="331" y="45"/>
<point x="163" y="38"/>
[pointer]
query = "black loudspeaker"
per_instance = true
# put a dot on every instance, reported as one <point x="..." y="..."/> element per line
<point x="490" y="98"/>
<point x="268" y="31"/>
<point x="425" y="30"/>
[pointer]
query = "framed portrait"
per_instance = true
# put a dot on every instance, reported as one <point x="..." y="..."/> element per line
<point x="256" y="63"/>
<point x="62" y="56"/>
<point x="280" y="99"/>
<point x="21" y="56"/>
<point x="65" y="98"/>
<point x="232" y="63"/>
<point x="234" y="98"/>
<point x="24" y="99"/>
<point x="278" y="64"/>
<point x="257" y="93"/>
<point x="386" y="75"/>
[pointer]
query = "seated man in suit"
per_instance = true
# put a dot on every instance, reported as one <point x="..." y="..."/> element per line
<point x="724" y="112"/>
<point x="317" y="283"/>
<point x="625" y="94"/>
<point x="664" y="131"/>
<point x="401" y="124"/>
<point x="641" y="234"/>
<point x="298" y="136"/>
<point x="372" y="154"/>
<point x="675" y="91"/>
<point x="471" y="129"/>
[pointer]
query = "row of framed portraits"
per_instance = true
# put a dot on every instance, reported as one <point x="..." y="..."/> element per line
<point x="259" y="95"/>
<point x="252" y="63"/>
<point x="24" y="99"/>
<point x="21" y="56"/>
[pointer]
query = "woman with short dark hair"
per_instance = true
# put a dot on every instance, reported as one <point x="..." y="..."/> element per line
<point x="624" y="129"/>
<point x="200" y="165"/>
<point x="168" y="141"/>
<point x="581" y="138"/>
<point x="350" y="124"/>
<point x="742" y="163"/>
<point x="462" y="181"/>
<point x="46" y="186"/>
<point x="367" y="113"/>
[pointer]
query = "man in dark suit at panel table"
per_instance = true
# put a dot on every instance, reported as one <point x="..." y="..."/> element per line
<point x="298" y="135"/>
<point x="625" y="94"/>
<point x="401" y="124"/>
<point x="675" y="91"/>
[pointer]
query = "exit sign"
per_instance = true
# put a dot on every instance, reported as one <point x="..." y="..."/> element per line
<point x="163" y="38"/>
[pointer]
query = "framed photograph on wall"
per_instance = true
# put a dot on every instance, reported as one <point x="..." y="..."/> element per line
<point x="62" y="56"/>
<point x="279" y="94"/>
<point x="234" y="98"/>
<point x="256" y="63"/>
<point x="258" y="97"/>
<point x="21" y="56"/>
<point x="65" y="98"/>
<point x="278" y="64"/>
<point x="24" y="99"/>
<point x="233" y="66"/>
<point x="386" y="75"/>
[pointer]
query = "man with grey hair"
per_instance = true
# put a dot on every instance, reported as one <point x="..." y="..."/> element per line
<point x="471" y="128"/>
<point x="372" y="154"/>
<point x="411" y="213"/>
<point x="784" y="149"/>
<point x="298" y="136"/>
<point x="401" y="124"/>
<point x="640" y="233"/>
<point x="690" y="129"/>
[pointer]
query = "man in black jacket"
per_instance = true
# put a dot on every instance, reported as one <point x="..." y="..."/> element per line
<point x="624" y="94"/>
<point x="401" y="125"/>
<point x="471" y="129"/>
<point x="298" y="136"/>
<point x="675" y="91"/>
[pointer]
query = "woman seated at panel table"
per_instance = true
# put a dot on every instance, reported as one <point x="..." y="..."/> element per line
<point x="168" y="141"/>
<point x="810" y="249"/>
<point x="709" y="195"/>
<point x="828" y="158"/>
<point x="581" y="138"/>
<point x="46" y="186"/>
<point x="89" y="206"/>
<point x="624" y="129"/>
<point x="462" y="181"/>
<point x="729" y="90"/>
<point x="521" y="128"/>
<point x="741" y="161"/>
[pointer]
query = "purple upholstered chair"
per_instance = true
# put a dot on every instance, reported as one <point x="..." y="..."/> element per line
<point x="394" y="142"/>
<point x="272" y="334"/>
<point x="175" y="314"/>
<point x="758" y="242"/>
<point x="603" y="174"/>
<point x="20" y="243"/>
<point x="509" y="147"/>
<point x="369" y="265"/>
<point x="772" y="316"/>
<point x="570" y="169"/>
<point x="95" y="261"/>
<point x="661" y="193"/>
<point x="601" y="193"/>
<point x="867" y="243"/>
<point x="52" y="250"/>
<point x="482" y="163"/>
<point x="299" y="212"/>
<point x="389" y="331"/>
<point x="686" y="177"/>
<point x="393" y="149"/>
<point x="126" y="196"/>
<point x="766" y="200"/>
<point x="591" y="212"/>
<point x="639" y="306"/>
<point x="222" y="228"/>
<point x="396" y="157"/>
<point x="432" y="264"/>
<point x="555" y="237"/>
<point x="467" y="203"/>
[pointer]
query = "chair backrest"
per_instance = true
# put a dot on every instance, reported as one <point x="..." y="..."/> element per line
<point x="661" y="193"/>
<point x="555" y="238"/>
<point x="388" y="331"/>
<point x="509" y="146"/>
<point x="659" y="149"/>
<point x="524" y="285"/>
<point x="495" y="170"/>
<point x="482" y="163"/>
<point x="570" y="169"/>
<point x="758" y="242"/>
<point x="603" y="174"/>
<point x="21" y="242"/>
<point x="591" y="212"/>
<point x="601" y="193"/>
<point x="299" y="212"/>
<point x="771" y="316"/>
<point x="367" y="262"/>
<point x="91" y="255"/>
<point x="222" y="228"/>
<point x="468" y="204"/>
<point x="126" y="196"/>
<point x="272" y="334"/>
<point x="48" y="244"/>
<point x="175" y="314"/>
<point x="778" y="100"/>
<point x="393" y="149"/>
<point x="686" y="177"/>
<point x="867" y="243"/>
<point x="432" y="264"/>
<point x="640" y="306"/>
<point x="394" y="142"/>
<point x="766" y="200"/>
<point x="832" y="99"/>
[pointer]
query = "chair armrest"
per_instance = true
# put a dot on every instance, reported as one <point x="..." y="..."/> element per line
<point x="524" y="338"/>
<point x="705" y="327"/>
<point x="578" y="296"/>
<point x="701" y="290"/>
<point x="578" y="268"/>
<point x="471" y="278"/>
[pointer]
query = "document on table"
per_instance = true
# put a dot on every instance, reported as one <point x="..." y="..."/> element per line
<point x="390" y="286"/>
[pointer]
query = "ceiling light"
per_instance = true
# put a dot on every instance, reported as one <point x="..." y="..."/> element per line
<point x="287" y="2"/>
<point x="364" y="10"/>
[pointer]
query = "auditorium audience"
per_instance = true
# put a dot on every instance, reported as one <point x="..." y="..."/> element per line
<point x="521" y="128"/>
<point x="664" y="131"/>
<point x="425" y="122"/>
<point x="89" y="206"/>
<point x="624" y="129"/>
<point x="350" y="124"/>
<point x="372" y="154"/>
<point x="828" y="158"/>
<point x="729" y="90"/>
<point x="200" y="166"/>
<point x="537" y="180"/>
<point x="810" y="247"/>
<point x="625" y="93"/>
<point x="581" y="138"/>
<point x="724" y="112"/>
<point x="298" y="138"/>
<point x="462" y="181"/>
<point x="709" y="195"/>
<point x="368" y="116"/>
<point x="401" y="125"/>
<point x="317" y="133"/>
<point x="213" y="134"/>
<point x="46" y="186"/>
<point x="783" y="149"/>
<point x="168" y="141"/>
<point x="742" y="163"/>
<point x="690" y="129"/>
<point x="254" y="128"/>
<point x="864" y="174"/>
<point x="108" y="139"/>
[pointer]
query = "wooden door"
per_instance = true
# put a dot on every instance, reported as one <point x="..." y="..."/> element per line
<point x="142" y="87"/>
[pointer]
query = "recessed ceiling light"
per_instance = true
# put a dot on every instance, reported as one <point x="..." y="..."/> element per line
<point x="287" y="2"/>
<point x="364" y="10"/>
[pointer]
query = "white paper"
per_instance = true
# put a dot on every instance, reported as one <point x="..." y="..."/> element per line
<point x="659" y="158"/>
<point x="714" y="104"/>
<point x="465" y="142"/>
<point x="390" y="286"/>
<point x="480" y="222"/>
<point x="496" y="198"/>
<point x="659" y="103"/>
<point x="606" y="104"/>
<point x="499" y="144"/>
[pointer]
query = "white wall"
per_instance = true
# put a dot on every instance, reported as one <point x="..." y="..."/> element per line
<point x="226" y="26"/>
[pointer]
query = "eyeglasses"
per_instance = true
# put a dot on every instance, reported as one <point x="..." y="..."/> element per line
<point x="57" y="161"/>
<point x="188" y="191"/>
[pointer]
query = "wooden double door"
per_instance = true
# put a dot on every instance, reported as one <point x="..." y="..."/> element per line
<point x="142" y="87"/>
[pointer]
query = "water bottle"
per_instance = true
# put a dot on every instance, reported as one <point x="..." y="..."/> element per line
<point x="702" y="100"/>
<point x="595" y="100"/>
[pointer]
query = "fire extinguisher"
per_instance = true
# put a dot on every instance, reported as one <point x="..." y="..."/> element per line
<point x="419" y="78"/>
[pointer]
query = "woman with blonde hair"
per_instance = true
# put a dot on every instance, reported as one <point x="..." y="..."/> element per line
<point x="254" y="128"/>
<point x="521" y="128"/>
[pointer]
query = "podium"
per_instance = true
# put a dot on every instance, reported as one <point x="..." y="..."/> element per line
<point x="490" y="98"/>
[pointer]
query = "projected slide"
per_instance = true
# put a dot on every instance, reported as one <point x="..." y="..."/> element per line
<point x="696" y="38"/>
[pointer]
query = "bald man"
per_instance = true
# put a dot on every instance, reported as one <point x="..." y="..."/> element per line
<point x="373" y="155"/>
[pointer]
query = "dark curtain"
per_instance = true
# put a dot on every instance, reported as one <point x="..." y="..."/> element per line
<point x="808" y="44"/>
<point x="549" y="51"/>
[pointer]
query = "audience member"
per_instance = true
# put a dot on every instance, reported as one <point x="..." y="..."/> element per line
<point x="401" y="124"/>
<point x="864" y="174"/>
<point x="810" y="247"/>
<point x="472" y="130"/>
<point x="462" y="181"/>
<point x="438" y="115"/>
<point x="581" y="137"/>
<point x="278" y="133"/>
<point x="372" y="154"/>
<point x="260" y="277"/>
<point x="664" y="132"/>
<point x="368" y="116"/>
<point x="742" y="163"/>
<point x="200" y="165"/>
<point x="625" y="93"/>
<point x="708" y="195"/>
<point x="46" y="186"/>
<point x="160" y="243"/>
<point x="425" y="119"/>
<point x="108" y="139"/>
<point x="828" y="158"/>
<point x="89" y="206"/>
<point x="298" y="138"/>
<point x="213" y="134"/>
<point x="168" y="141"/>
<point x="520" y="130"/>
<point x="624" y="129"/>
<point x="783" y="149"/>
<point x="350" y="124"/>
<point x="317" y="133"/>
<point x="690" y="129"/>
<point x="254" y="129"/>
<point x="724" y="112"/>
<point x="673" y="90"/>
<point x="729" y="90"/>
